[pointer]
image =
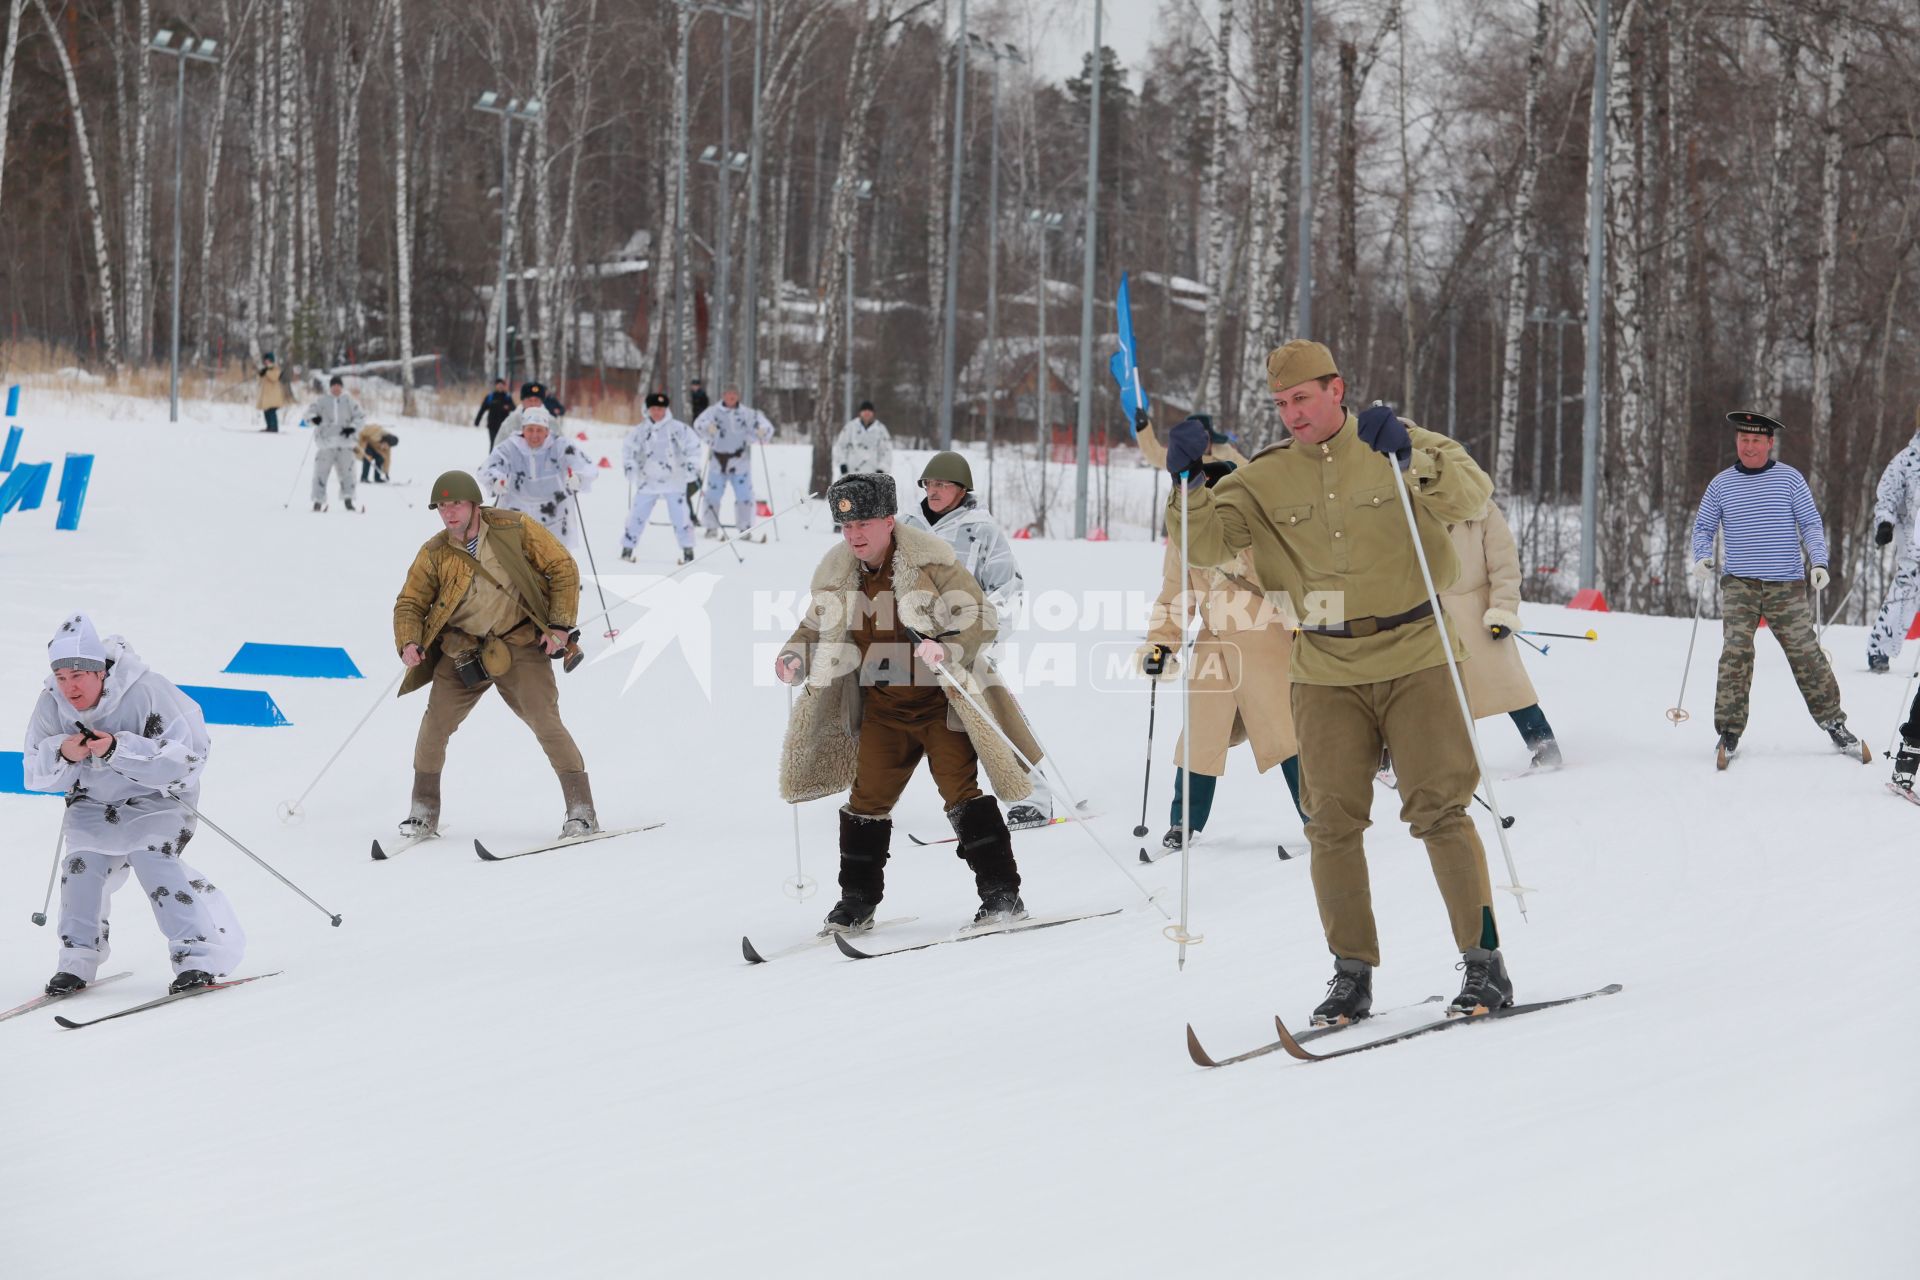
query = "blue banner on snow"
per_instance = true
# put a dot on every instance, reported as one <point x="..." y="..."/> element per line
<point x="311" y="661"/>
<point x="236" y="706"/>
<point x="13" y="776"/>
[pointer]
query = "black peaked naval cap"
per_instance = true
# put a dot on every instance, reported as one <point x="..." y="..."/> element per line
<point x="658" y="398"/>
<point x="528" y="390"/>
<point x="1747" y="420"/>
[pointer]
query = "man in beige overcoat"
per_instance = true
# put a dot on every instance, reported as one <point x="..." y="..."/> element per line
<point x="1483" y="609"/>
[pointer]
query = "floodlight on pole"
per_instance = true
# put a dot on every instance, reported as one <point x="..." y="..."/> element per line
<point x="862" y="190"/>
<point x="1045" y="224"/>
<point x="190" y="49"/>
<point x="999" y="53"/>
<point x="509" y="110"/>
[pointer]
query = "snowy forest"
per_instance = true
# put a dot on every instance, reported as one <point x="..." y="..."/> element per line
<point x="343" y="204"/>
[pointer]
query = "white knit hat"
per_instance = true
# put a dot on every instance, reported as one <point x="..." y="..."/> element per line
<point x="536" y="415"/>
<point x="76" y="646"/>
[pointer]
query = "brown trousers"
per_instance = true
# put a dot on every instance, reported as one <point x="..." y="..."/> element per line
<point x="530" y="692"/>
<point x="1341" y="730"/>
<point x="890" y="750"/>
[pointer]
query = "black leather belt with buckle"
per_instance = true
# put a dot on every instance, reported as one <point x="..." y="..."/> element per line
<point x="1359" y="628"/>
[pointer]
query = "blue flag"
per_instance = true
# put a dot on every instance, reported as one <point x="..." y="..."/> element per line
<point x="1126" y="365"/>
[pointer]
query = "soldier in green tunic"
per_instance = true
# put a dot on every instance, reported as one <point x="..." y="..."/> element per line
<point x="1321" y="514"/>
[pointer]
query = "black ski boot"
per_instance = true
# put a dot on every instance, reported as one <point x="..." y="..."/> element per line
<point x="1486" y="986"/>
<point x="626" y="554"/>
<point x="988" y="850"/>
<point x="1546" y="754"/>
<point x="863" y="872"/>
<point x="686" y="555"/>
<point x="189" y="980"/>
<point x="349" y="502"/>
<point x="1349" y="994"/>
<point x="999" y="904"/>
<point x="1878" y="663"/>
<point x="1905" y="762"/>
<point x="1845" y="743"/>
<point x="1729" y="743"/>
<point x="63" y="984"/>
<point x="852" y="914"/>
<point x="1171" y="840"/>
<point x="1021" y="817"/>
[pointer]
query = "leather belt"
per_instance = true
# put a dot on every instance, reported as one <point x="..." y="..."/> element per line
<point x="1360" y="628"/>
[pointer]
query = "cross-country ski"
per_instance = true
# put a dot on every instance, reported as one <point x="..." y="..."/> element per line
<point x="173" y="997"/>
<point x="568" y="842"/>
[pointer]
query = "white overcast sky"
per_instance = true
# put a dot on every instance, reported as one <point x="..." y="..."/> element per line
<point x="1066" y="34"/>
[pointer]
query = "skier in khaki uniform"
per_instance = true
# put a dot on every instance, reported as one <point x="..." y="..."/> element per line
<point x="892" y="623"/>
<point x="1321" y="515"/>
<point x="1238" y="689"/>
<point x="487" y="602"/>
<point x="1483" y="609"/>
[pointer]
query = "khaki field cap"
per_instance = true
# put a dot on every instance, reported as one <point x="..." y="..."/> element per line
<point x="1297" y="362"/>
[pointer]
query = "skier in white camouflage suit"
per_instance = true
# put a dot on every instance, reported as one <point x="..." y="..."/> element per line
<point x="863" y="445"/>
<point x="121" y="742"/>
<point x="661" y="458"/>
<point x="336" y="419"/>
<point x="537" y="472"/>
<point x="1895" y="504"/>
<point x="730" y="430"/>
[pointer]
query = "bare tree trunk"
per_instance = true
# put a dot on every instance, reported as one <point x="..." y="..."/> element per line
<point x="136" y="135"/>
<point x="402" y="222"/>
<point x="1840" y="50"/>
<point x="102" y="255"/>
<point x="356" y="61"/>
<point x="1764" y="376"/>
<point x="1680" y="338"/>
<point x="286" y="167"/>
<point x="1217" y="216"/>
<point x="233" y="35"/>
<point x="259" y="206"/>
<point x="1404" y="222"/>
<point x="1628" y="473"/>
<point x="863" y="82"/>
<point x="1520" y="250"/>
<point x="8" y="55"/>
<point x="1276" y="46"/>
<point x="937" y="179"/>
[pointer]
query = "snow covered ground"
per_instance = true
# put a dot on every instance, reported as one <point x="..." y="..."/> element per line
<point x="561" y="1066"/>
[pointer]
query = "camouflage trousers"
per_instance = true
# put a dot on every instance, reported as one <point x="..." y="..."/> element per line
<point x="1789" y="612"/>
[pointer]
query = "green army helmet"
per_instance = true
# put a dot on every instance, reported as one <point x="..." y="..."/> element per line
<point x="455" y="486"/>
<point x="951" y="467"/>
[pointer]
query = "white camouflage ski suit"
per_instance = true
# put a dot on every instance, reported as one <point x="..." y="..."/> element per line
<point x="535" y="481"/>
<point x="862" y="448"/>
<point x="1897" y="502"/>
<point x="731" y="434"/>
<point x="120" y="816"/>
<point x="661" y="459"/>
<point x="336" y="423"/>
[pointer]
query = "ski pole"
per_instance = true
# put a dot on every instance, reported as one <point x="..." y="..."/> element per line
<point x="586" y="541"/>
<point x="1906" y="696"/>
<point x="40" y="916"/>
<point x="187" y="805"/>
<point x="1518" y="890"/>
<point x="289" y="810"/>
<point x="1678" y="712"/>
<point x="1506" y="821"/>
<point x="800" y="888"/>
<point x="994" y="725"/>
<point x="1537" y="648"/>
<point x="1180" y="935"/>
<point x="1153" y="694"/>
<point x="1838" y="609"/>
<point x="1561" y="635"/>
<point x="298" y="471"/>
<point x="768" y="468"/>
<point x="619" y="600"/>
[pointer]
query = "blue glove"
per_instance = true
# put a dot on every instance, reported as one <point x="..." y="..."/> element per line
<point x="1385" y="433"/>
<point x="1186" y="445"/>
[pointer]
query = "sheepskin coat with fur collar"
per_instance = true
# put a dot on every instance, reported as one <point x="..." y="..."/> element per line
<point x="937" y="598"/>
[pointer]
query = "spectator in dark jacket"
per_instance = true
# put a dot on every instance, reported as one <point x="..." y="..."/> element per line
<point x="494" y="409"/>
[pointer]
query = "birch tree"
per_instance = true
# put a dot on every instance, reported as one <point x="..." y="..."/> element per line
<point x="1764" y="373"/>
<point x="1217" y="216"/>
<point x="402" y="222"/>
<point x="1628" y="474"/>
<point x="1839" y="50"/>
<point x="136" y="133"/>
<point x="1276" y="46"/>
<point x="1355" y="69"/>
<point x="8" y="55"/>
<point x="96" y="218"/>
<point x="1520" y="251"/>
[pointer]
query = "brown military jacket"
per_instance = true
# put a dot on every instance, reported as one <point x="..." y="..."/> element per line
<point x="1325" y="526"/>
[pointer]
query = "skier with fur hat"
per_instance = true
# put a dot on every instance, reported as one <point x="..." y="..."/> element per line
<point x="537" y="472"/>
<point x="893" y="622"/>
<point x="125" y="746"/>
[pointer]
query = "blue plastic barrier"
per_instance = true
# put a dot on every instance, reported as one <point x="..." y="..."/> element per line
<point x="13" y="776"/>
<point x="35" y="492"/>
<point x="236" y="706"/>
<point x="311" y="661"/>
<point x="14" y="489"/>
<point x="13" y="401"/>
<point x="74" y="475"/>
<point x="12" y="451"/>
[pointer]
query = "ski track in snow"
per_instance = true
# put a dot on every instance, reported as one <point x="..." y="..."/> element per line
<point x="561" y="1066"/>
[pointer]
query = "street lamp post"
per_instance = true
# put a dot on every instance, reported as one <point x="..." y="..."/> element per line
<point x="1596" y="305"/>
<point x="188" y="48"/>
<point x="509" y="110"/>
<point x="1046" y="224"/>
<point x="1303" y="287"/>
<point x="693" y="9"/>
<point x="734" y="162"/>
<point x="999" y="53"/>
<point x="1084" y="439"/>
<point x="751" y="378"/>
<point x="948" y="352"/>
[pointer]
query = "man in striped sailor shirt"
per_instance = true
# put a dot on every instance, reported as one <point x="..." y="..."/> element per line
<point x="1764" y="513"/>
